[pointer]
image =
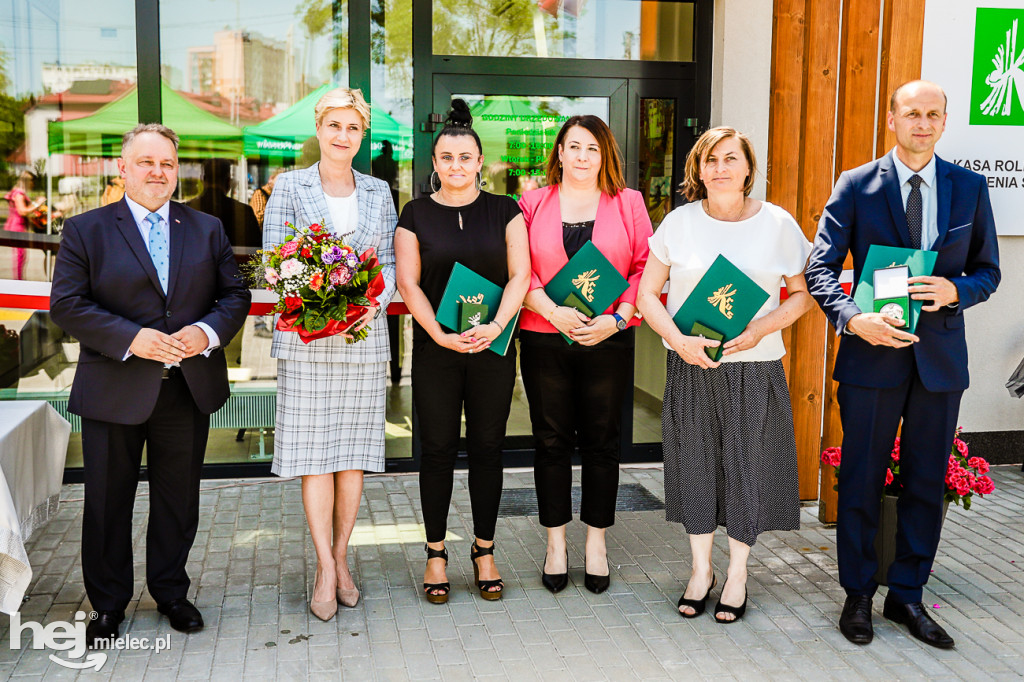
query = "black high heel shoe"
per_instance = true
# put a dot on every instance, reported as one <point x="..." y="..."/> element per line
<point x="736" y="611"/>
<point x="485" y="586"/>
<point x="443" y="588"/>
<point x="696" y="604"/>
<point x="555" y="582"/>
<point x="596" y="583"/>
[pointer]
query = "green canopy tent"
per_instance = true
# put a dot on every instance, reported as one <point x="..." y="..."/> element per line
<point x="281" y="137"/>
<point x="202" y="134"/>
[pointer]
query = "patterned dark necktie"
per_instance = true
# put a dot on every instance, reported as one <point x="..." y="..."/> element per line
<point x="915" y="212"/>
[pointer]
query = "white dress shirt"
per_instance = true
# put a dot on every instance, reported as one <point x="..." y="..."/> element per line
<point x="140" y="213"/>
<point x="929" y="202"/>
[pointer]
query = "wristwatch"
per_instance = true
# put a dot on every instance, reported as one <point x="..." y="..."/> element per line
<point x="619" y="322"/>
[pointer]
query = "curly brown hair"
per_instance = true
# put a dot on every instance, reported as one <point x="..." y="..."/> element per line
<point x="692" y="187"/>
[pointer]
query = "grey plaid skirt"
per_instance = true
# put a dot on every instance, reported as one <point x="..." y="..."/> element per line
<point x="730" y="454"/>
<point x="330" y="417"/>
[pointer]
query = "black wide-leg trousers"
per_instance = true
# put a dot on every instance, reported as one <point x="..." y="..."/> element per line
<point x="444" y="382"/>
<point x="175" y="438"/>
<point x="576" y="394"/>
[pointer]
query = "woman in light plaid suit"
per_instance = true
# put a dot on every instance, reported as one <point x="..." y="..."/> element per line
<point x="330" y="395"/>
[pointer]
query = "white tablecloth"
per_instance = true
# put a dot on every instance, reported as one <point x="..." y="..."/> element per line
<point x="33" y="445"/>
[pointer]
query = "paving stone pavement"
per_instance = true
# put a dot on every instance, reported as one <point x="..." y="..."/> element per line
<point x="252" y="568"/>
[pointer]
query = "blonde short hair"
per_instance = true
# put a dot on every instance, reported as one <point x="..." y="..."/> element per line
<point x="343" y="98"/>
<point x="693" y="188"/>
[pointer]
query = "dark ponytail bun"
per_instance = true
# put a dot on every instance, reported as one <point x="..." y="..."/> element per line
<point x="458" y="123"/>
<point x="458" y="115"/>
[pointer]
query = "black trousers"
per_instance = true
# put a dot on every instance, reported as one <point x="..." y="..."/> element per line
<point x="443" y="384"/>
<point x="576" y="395"/>
<point x="175" y="438"/>
<point x="870" y="418"/>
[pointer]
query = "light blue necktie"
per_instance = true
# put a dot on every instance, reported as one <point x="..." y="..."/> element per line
<point x="158" y="248"/>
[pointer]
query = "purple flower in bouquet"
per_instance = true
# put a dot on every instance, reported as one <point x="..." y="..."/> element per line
<point x="331" y="255"/>
<point x="352" y="260"/>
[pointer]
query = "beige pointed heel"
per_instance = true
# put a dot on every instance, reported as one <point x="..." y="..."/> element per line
<point x="348" y="598"/>
<point x="324" y="610"/>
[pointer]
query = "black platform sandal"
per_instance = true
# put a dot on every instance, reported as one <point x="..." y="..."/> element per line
<point x="443" y="588"/>
<point x="736" y="611"/>
<point x="485" y="586"/>
<point x="696" y="604"/>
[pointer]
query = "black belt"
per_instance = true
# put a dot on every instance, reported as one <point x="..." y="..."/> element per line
<point x="170" y="372"/>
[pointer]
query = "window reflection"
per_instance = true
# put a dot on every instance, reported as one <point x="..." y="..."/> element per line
<point x="59" y="63"/>
<point x="649" y="30"/>
<point x="657" y="143"/>
<point x="518" y="133"/>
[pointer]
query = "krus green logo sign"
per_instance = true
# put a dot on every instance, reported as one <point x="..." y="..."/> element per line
<point x="997" y="84"/>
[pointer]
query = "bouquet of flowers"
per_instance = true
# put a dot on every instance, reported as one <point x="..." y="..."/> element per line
<point x="323" y="287"/>
<point x="965" y="475"/>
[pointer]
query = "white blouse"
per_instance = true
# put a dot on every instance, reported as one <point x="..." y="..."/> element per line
<point x="767" y="246"/>
<point x="344" y="213"/>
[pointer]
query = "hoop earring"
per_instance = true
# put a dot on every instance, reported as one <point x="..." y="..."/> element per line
<point x="432" y="176"/>
<point x="480" y="182"/>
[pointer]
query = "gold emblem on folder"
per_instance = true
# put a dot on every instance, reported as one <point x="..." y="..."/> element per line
<point x="585" y="282"/>
<point x="722" y="299"/>
<point x="479" y="298"/>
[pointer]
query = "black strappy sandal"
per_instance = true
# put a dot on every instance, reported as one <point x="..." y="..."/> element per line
<point x="736" y="611"/>
<point x="485" y="586"/>
<point x="443" y="588"/>
<point x="696" y="604"/>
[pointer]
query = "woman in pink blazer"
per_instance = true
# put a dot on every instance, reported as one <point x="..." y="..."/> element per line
<point x="576" y="391"/>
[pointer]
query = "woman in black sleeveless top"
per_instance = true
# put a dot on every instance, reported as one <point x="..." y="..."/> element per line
<point x="486" y="233"/>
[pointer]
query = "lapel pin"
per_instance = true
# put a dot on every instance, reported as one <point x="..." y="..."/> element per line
<point x="177" y="221"/>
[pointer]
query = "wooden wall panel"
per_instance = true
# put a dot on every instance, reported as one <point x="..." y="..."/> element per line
<point x="855" y="145"/>
<point x="902" y="42"/>
<point x="817" y="139"/>
<point x="782" y="165"/>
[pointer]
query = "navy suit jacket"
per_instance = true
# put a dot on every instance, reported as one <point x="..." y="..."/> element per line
<point x="866" y="208"/>
<point x="105" y="289"/>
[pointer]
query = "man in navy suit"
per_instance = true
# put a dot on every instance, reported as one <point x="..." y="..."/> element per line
<point x="908" y="198"/>
<point x="149" y="288"/>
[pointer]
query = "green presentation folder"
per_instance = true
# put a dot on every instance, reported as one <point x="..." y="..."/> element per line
<point x="465" y="286"/>
<point x="921" y="264"/>
<point x="725" y="301"/>
<point x="587" y="280"/>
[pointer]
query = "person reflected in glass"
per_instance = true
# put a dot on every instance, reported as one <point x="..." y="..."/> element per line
<point x="238" y="219"/>
<point x="452" y="372"/>
<point x="576" y="392"/>
<point x="727" y="425"/>
<point x="330" y="394"/>
<point x="21" y="211"/>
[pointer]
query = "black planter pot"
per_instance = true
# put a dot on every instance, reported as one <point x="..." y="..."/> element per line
<point x="885" y="540"/>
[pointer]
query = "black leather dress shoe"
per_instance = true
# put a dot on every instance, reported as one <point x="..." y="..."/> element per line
<point x="855" y="621"/>
<point x="918" y="621"/>
<point x="183" y="615"/>
<point x="105" y="627"/>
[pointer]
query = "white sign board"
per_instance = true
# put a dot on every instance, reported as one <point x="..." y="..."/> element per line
<point x="974" y="49"/>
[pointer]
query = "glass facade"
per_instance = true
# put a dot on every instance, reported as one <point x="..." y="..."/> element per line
<point x="239" y="81"/>
<point x="649" y="30"/>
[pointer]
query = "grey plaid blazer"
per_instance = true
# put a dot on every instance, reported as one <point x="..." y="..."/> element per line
<point x="298" y="198"/>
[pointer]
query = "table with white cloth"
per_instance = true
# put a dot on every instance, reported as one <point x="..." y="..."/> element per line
<point x="33" y="446"/>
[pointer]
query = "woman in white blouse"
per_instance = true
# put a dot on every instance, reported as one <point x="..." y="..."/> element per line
<point x="730" y="453"/>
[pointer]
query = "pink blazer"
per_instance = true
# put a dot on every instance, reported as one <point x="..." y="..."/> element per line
<point x="621" y="231"/>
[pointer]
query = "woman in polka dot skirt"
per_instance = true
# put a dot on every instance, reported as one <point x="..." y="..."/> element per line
<point x="730" y="453"/>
